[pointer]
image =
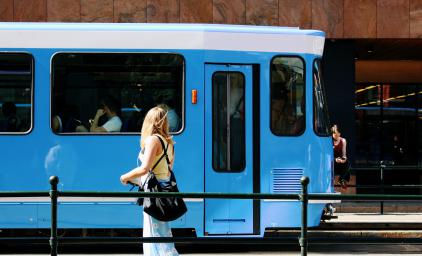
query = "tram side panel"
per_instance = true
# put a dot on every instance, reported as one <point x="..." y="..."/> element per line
<point x="285" y="159"/>
<point x="93" y="163"/>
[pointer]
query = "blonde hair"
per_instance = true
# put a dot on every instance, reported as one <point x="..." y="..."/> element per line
<point x="156" y="122"/>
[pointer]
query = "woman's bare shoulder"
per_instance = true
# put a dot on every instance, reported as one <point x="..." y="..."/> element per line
<point x="152" y="141"/>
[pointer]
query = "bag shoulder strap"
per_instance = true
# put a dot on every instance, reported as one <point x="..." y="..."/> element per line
<point x="165" y="151"/>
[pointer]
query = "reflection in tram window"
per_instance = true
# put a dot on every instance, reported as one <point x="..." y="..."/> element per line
<point x="228" y="122"/>
<point x="387" y="122"/>
<point x="137" y="81"/>
<point x="15" y="92"/>
<point x="287" y="96"/>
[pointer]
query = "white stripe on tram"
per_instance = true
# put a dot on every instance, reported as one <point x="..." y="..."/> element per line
<point x="184" y="40"/>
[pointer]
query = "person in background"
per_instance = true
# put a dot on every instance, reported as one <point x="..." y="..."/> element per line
<point x="12" y="121"/>
<point x="172" y="117"/>
<point x="341" y="166"/>
<point x="155" y="125"/>
<point x="57" y="124"/>
<point x="111" y="108"/>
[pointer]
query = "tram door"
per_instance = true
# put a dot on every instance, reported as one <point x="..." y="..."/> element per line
<point x="228" y="148"/>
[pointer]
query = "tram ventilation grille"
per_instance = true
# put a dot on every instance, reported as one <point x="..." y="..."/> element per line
<point x="286" y="181"/>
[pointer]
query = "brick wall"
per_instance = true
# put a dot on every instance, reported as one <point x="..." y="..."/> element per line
<point x="338" y="18"/>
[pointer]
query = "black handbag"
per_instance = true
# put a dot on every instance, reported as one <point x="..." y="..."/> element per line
<point x="163" y="209"/>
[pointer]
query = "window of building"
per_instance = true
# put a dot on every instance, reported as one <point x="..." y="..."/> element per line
<point x="287" y="96"/>
<point x="228" y="122"/>
<point x="321" y="120"/>
<point x="123" y="85"/>
<point x="16" y="79"/>
<point x="388" y="124"/>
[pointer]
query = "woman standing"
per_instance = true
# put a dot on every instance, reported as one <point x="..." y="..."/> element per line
<point x="341" y="166"/>
<point x="155" y="126"/>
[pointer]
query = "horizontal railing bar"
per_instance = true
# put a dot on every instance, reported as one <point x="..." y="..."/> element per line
<point x="386" y="168"/>
<point x="24" y="193"/>
<point x="366" y="197"/>
<point x="312" y="196"/>
<point x="178" y="195"/>
<point x="211" y="240"/>
<point x="383" y="186"/>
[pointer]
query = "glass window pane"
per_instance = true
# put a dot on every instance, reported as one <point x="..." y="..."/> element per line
<point x="228" y="122"/>
<point x="287" y="96"/>
<point x="124" y="85"/>
<point x="16" y="74"/>
<point x="368" y="124"/>
<point x="321" y="120"/>
<point x="399" y="124"/>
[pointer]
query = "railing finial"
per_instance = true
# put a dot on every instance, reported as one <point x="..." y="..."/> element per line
<point x="54" y="180"/>
<point x="304" y="180"/>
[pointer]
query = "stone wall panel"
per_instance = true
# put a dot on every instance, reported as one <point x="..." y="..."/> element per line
<point x="63" y="11"/>
<point x="229" y="11"/>
<point x="262" y="12"/>
<point x="393" y="18"/>
<point x="196" y="11"/>
<point x="97" y="10"/>
<point x="130" y="11"/>
<point x="166" y="11"/>
<point x="360" y="18"/>
<point x="30" y="10"/>
<point x="295" y="13"/>
<point x="6" y="10"/>
<point x="327" y="15"/>
<point x="416" y="18"/>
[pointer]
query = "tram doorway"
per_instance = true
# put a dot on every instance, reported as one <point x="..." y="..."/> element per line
<point x="228" y="148"/>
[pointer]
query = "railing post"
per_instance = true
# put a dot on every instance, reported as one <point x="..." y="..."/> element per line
<point x="382" y="184"/>
<point x="54" y="180"/>
<point x="303" y="241"/>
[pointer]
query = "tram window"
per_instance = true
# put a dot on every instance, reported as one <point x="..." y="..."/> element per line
<point x="16" y="71"/>
<point x="132" y="83"/>
<point x="228" y="122"/>
<point x="321" y="120"/>
<point x="287" y="96"/>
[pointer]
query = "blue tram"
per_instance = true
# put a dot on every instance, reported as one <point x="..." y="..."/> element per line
<point x="247" y="106"/>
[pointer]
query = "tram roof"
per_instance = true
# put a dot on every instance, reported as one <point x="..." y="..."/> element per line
<point x="160" y="36"/>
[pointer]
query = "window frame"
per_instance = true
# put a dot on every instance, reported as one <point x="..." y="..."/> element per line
<point x="244" y="123"/>
<point x="313" y="101"/>
<point x="183" y="109"/>
<point x="31" y="127"/>
<point x="304" y="94"/>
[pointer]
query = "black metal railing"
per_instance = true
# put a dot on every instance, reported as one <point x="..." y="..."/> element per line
<point x="303" y="197"/>
<point x="381" y="187"/>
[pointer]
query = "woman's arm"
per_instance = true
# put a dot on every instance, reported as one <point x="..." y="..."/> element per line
<point x="151" y="148"/>
<point x="172" y="160"/>
<point x="344" y="155"/>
